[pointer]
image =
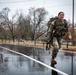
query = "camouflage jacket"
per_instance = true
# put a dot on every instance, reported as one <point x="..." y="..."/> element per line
<point x="58" y="28"/>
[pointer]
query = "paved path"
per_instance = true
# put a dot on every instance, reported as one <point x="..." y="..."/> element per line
<point x="14" y="63"/>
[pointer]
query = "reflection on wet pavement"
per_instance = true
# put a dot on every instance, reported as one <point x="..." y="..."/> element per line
<point x="19" y="65"/>
<point x="53" y="72"/>
<point x="14" y="64"/>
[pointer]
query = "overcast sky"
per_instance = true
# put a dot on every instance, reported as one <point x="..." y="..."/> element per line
<point x="52" y="6"/>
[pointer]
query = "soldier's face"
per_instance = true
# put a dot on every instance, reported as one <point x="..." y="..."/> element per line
<point x="61" y="16"/>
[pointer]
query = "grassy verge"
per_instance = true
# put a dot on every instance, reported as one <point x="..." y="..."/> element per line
<point x="36" y="44"/>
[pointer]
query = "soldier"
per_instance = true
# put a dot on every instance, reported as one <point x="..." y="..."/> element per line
<point x="57" y="29"/>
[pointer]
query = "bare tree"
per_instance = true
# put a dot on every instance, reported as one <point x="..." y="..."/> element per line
<point x="3" y="32"/>
<point x="3" y="18"/>
<point x="9" y="23"/>
<point x="37" y="21"/>
<point x="23" y="26"/>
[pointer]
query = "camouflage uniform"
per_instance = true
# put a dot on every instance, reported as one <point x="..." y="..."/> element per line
<point x="56" y="31"/>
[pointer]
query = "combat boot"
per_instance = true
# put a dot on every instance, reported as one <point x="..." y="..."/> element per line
<point x="53" y="62"/>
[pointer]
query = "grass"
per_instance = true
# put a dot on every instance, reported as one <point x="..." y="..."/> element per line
<point x="37" y="44"/>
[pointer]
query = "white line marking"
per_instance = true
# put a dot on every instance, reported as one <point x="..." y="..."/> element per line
<point x="36" y="61"/>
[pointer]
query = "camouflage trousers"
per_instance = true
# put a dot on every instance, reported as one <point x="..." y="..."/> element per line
<point x="56" y="43"/>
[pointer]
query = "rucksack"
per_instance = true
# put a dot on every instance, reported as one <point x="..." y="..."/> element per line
<point x="57" y="27"/>
<point x="51" y="20"/>
<point x="54" y="19"/>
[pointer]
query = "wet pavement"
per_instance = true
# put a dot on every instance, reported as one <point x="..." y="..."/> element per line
<point x="15" y="64"/>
